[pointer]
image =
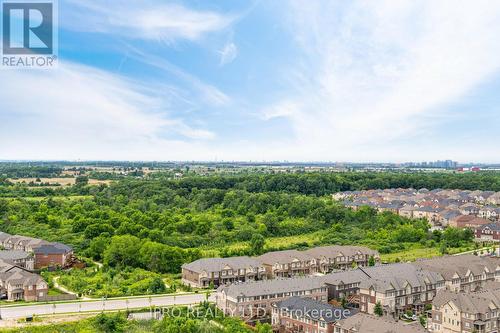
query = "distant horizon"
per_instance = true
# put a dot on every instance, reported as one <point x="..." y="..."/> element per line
<point x="470" y="163"/>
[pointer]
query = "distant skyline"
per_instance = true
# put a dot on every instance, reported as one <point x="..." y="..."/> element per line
<point x="304" y="81"/>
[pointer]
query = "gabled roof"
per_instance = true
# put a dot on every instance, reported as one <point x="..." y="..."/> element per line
<point x="490" y="226"/>
<point x="52" y="248"/>
<point x="448" y="266"/>
<point x="336" y="250"/>
<point x="284" y="257"/>
<point x="4" y="236"/>
<point x="306" y="307"/>
<point x="14" y="255"/>
<point x="218" y="264"/>
<point x="365" y="323"/>
<point x="275" y="286"/>
<point x="475" y="302"/>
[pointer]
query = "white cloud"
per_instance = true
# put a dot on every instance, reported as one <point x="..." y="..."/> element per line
<point x="208" y="93"/>
<point x="79" y="112"/>
<point x="228" y="53"/>
<point x="374" y="74"/>
<point x="281" y="109"/>
<point x="142" y="19"/>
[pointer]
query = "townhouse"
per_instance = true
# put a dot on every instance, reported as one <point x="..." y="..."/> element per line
<point x="489" y="212"/>
<point x="288" y="263"/>
<point x="329" y="258"/>
<point x="365" y="323"/>
<point x="278" y="264"/>
<point x="345" y="285"/>
<point x="439" y="207"/>
<point x="19" y="258"/>
<point x="447" y="215"/>
<point x="488" y="232"/>
<point x="493" y="199"/>
<point x="461" y="312"/>
<point x="220" y="271"/>
<point x="303" y="315"/>
<point x="469" y="209"/>
<point x="467" y="221"/>
<point x="399" y="288"/>
<point x="464" y="272"/>
<point x="254" y="300"/>
<point x="45" y="254"/>
<point x="52" y="255"/>
<point x="17" y="283"/>
<point x="407" y="211"/>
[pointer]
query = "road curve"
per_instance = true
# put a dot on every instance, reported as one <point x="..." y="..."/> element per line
<point x="15" y="312"/>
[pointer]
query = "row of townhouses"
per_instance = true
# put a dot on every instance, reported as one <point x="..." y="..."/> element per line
<point x="278" y="264"/>
<point x="396" y="288"/>
<point x="33" y="253"/>
<point x="304" y="315"/>
<point x="466" y="312"/>
<point x="441" y="208"/>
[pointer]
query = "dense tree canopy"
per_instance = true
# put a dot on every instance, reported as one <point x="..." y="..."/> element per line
<point x="158" y="224"/>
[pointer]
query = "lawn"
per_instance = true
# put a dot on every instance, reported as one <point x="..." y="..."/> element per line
<point x="420" y="252"/>
<point x="274" y="242"/>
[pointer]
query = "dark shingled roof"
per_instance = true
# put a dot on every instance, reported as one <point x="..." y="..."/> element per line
<point x="306" y="307"/>
<point x="52" y="248"/>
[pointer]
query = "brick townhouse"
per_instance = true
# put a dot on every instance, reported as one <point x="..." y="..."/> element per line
<point x="288" y="263"/>
<point x="18" y="284"/>
<point x="52" y="255"/>
<point x="467" y="221"/>
<point x="466" y="312"/>
<point x="253" y="300"/>
<point x="490" y="213"/>
<point x="365" y="323"/>
<point x="464" y="272"/>
<point x="399" y="288"/>
<point x="329" y="258"/>
<point x="22" y="243"/>
<point x="19" y="258"/>
<point x="439" y="207"/>
<point x="219" y="271"/>
<point x="488" y="232"/>
<point x="278" y="264"/>
<point x="345" y="285"/>
<point x="303" y="315"/>
<point x="45" y="254"/>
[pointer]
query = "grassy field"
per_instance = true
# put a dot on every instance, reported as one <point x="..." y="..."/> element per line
<point x="62" y="181"/>
<point x="273" y="242"/>
<point x="56" y="182"/>
<point x="60" y="198"/>
<point x="416" y="253"/>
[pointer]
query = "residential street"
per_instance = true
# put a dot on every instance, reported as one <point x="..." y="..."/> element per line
<point x="8" y="312"/>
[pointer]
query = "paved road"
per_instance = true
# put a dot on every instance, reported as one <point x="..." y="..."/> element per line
<point x="110" y="304"/>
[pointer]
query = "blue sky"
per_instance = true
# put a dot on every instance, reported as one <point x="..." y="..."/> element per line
<point x="262" y="80"/>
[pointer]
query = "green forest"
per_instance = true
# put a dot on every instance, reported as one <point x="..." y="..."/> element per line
<point x="143" y="229"/>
